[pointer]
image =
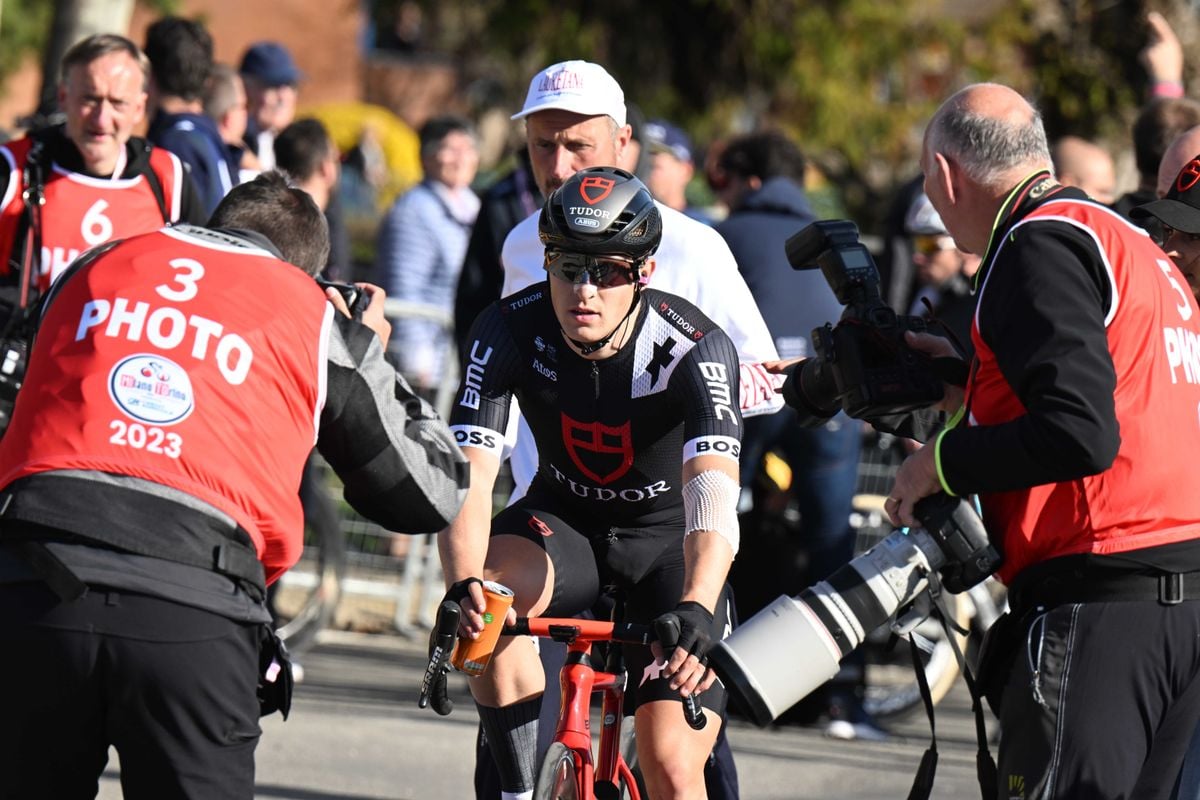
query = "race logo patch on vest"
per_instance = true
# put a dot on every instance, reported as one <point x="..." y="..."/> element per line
<point x="151" y="389"/>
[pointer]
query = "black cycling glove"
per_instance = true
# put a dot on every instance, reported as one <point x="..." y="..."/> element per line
<point x="461" y="590"/>
<point x="687" y="627"/>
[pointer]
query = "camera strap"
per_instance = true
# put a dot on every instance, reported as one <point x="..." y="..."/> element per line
<point x="985" y="765"/>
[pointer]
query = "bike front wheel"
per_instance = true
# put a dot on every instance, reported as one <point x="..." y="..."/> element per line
<point x="559" y="777"/>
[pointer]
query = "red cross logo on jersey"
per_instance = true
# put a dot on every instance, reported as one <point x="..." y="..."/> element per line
<point x="602" y="452"/>
<point x="593" y="188"/>
<point x="1188" y="176"/>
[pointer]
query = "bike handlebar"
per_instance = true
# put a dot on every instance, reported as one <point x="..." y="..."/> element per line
<point x="567" y="630"/>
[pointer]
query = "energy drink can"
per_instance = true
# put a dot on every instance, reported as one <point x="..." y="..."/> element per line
<point x="473" y="655"/>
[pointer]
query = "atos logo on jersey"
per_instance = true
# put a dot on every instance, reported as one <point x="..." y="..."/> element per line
<point x="593" y="188"/>
<point x="602" y="452"/>
<point x="545" y="371"/>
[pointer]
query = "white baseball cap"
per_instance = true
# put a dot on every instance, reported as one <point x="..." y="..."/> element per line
<point x="578" y="86"/>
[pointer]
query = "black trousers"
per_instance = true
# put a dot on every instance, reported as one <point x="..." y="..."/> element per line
<point x="172" y="688"/>
<point x="1101" y="702"/>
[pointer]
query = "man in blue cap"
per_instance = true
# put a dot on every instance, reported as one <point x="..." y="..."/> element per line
<point x="672" y="166"/>
<point x="271" y="77"/>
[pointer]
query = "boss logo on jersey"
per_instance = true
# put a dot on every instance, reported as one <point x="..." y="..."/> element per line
<point x="679" y="320"/>
<point x="545" y="371"/>
<point x="726" y="446"/>
<point x="601" y="452"/>
<point x="718" y="389"/>
<point x="475" y="436"/>
<point x="473" y="380"/>
<point x="167" y="328"/>
<point x="604" y="495"/>
<point x="150" y="388"/>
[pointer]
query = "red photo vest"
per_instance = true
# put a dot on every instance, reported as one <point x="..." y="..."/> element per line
<point x="1148" y="497"/>
<point x="82" y="212"/>
<point x="188" y="363"/>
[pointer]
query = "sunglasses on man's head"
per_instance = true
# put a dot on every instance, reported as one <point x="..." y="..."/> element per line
<point x="603" y="272"/>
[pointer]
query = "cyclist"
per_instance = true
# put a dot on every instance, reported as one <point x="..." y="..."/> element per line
<point x="616" y="381"/>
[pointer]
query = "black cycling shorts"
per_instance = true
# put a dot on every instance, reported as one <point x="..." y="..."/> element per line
<point x="645" y="564"/>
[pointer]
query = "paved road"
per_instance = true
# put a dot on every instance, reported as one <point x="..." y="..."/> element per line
<point x="356" y="734"/>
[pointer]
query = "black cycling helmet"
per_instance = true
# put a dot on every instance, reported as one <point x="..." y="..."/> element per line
<point x="601" y="211"/>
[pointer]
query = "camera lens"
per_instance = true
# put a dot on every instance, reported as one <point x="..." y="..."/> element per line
<point x="811" y="390"/>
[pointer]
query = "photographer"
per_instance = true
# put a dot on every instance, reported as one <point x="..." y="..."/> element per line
<point x="1077" y="430"/>
<point x="149" y="493"/>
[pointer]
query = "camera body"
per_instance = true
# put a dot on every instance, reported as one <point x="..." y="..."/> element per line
<point x="356" y="299"/>
<point x="862" y="365"/>
<point x="784" y="652"/>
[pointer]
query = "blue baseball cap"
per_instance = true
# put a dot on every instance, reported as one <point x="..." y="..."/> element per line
<point x="270" y="63"/>
<point x="664" y="137"/>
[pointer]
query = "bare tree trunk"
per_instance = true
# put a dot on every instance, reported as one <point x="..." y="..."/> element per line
<point x="75" y="20"/>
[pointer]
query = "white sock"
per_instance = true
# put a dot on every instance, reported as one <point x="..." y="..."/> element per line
<point x="517" y="795"/>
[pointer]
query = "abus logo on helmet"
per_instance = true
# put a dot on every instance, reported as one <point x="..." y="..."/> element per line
<point x="587" y="222"/>
<point x="593" y="188"/>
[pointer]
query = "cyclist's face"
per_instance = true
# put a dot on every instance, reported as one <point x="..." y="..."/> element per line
<point x="103" y="100"/>
<point x="561" y="143"/>
<point x="590" y="307"/>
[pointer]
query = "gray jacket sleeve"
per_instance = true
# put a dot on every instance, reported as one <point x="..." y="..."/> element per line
<point x="398" y="460"/>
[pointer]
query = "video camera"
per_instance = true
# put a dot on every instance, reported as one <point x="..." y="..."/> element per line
<point x="863" y="365"/>
<point x="792" y="646"/>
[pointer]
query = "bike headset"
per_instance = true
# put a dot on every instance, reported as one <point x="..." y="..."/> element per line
<point x="601" y="213"/>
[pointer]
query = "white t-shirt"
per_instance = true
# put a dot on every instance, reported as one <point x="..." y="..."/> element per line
<point x="694" y="262"/>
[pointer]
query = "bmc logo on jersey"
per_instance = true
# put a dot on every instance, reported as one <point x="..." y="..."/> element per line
<point x="602" y="452"/>
<point x="593" y="188"/>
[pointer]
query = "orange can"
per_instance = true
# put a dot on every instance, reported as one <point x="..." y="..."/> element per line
<point x="472" y="655"/>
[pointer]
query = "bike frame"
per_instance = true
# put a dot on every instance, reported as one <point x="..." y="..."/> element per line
<point x="578" y="680"/>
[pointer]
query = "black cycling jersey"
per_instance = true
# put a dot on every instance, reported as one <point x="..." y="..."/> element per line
<point x="611" y="434"/>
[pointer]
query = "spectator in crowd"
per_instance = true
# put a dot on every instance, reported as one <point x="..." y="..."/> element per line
<point x="128" y="186"/>
<point x="1078" y="162"/>
<point x="271" y="79"/>
<point x="1178" y="211"/>
<point x="422" y="242"/>
<point x="181" y="60"/>
<point x="1080" y="443"/>
<point x="671" y="168"/>
<point x="132" y="575"/>
<point x="763" y="189"/>
<point x="310" y="158"/>
<point x="1166" y="114"/>
<point x="225" y="104"/>
<point x="1181" y="152"/>
<point x="944" y="275"/>
<point x="505" y="203"/>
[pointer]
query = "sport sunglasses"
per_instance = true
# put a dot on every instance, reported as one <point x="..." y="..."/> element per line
<point x="603" y="272"/>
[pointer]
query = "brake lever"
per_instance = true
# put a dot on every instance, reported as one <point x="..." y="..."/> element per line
<point x="441" y="640"/>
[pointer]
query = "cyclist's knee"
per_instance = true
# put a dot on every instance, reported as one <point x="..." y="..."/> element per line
<point x="524" y="568"/>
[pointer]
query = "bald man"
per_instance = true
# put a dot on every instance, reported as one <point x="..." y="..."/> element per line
<point x="1080" y="163"/>
<point x="1080" y="442"/>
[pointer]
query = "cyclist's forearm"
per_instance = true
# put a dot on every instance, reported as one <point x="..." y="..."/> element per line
<point x="707" y="558"/>
<point x="463" y="545"/>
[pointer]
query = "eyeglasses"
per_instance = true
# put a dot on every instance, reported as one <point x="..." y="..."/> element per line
<point x="928" y="244"/>
<point x="603" y="272"/>
<point x="1164" y="233"/>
